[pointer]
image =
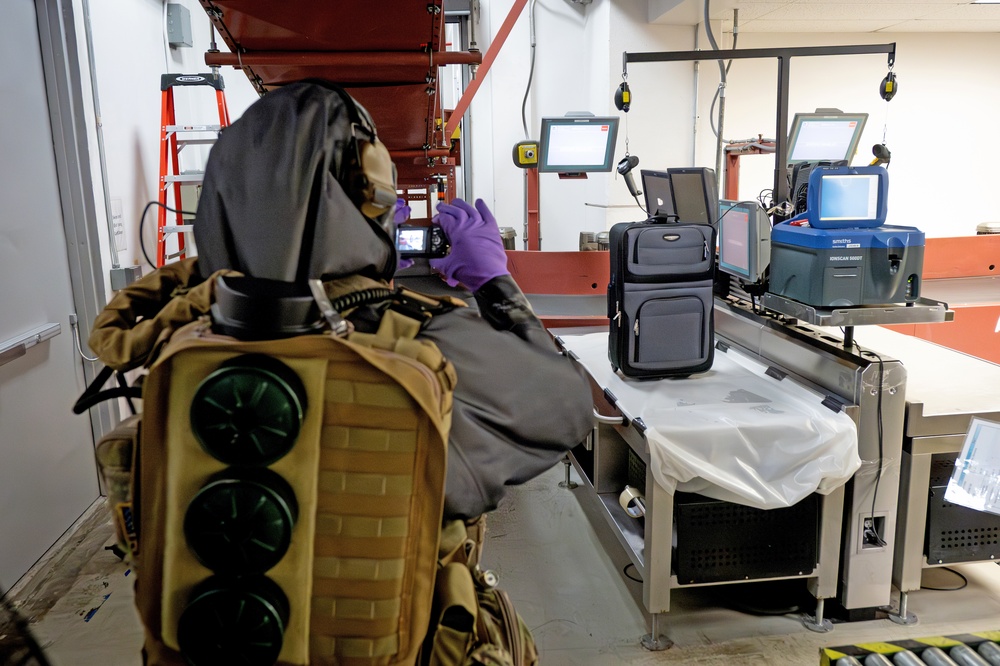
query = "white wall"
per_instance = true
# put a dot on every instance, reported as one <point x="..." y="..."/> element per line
<point x="130" y="54"/>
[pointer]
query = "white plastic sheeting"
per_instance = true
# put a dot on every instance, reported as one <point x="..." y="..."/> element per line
<point x="732" y="433"/>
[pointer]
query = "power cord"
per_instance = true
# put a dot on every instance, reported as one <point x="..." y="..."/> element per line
<point x="961" y="586"/>
<point x="765" y="203"/>
<point x="871" y="527"/>
<point x="625" y="573"/>
<point x="638" y="202"/>
<point x="723" y="68"/>
<point x="878" y="473"/>
<point x="142" y="220"/>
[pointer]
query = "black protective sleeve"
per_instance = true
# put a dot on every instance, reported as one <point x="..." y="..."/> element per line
<point x="506" y="308"/>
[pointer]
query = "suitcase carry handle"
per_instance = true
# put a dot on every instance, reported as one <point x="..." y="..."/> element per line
<point x="669" y="218"/>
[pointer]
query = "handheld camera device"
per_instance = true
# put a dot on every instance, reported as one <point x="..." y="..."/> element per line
<point x="421" y="241"/>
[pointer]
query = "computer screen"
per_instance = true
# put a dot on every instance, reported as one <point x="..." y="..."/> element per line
<point x="656" y="189"/>
<point x="695" y="195"/>
<point x="577" y="144"/>
<point x="847" y="197"/>
<point x="815" y="137"/>
<point x="744" y="239"/>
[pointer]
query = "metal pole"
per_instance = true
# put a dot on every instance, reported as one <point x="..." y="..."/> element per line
<point x="694" y="111"/>
<point x="101" y="152"/>
<point x="780" y="193"/>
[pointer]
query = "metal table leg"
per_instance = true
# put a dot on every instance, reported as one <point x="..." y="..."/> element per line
<point x="903" y="616"/>
<point x="655" y="641"/>
<point x="567" y="483"/>
<point x="817" y="623"/>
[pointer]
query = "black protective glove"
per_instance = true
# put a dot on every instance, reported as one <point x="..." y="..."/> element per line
<point x="506" y="308"/>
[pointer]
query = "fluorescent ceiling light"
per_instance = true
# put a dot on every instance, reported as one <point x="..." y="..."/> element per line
<point x="986" y="2"/>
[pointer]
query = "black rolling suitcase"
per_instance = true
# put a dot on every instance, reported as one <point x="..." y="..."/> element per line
<point x="660" y="298"/>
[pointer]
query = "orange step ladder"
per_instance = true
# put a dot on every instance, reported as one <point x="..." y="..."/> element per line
<point x="171" y="143"/>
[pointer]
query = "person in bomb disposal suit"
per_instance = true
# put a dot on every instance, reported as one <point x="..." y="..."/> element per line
<point x="280" y="194"/>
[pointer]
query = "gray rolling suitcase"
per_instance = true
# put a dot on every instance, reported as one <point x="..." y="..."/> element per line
<point x="660" y="298"/>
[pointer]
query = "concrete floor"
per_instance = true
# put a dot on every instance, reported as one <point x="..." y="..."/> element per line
<point x="565" y="578"/>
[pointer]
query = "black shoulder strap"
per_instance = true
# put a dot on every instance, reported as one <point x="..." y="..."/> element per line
<point x="94" y="395"/>
<point x="409" y="303"/>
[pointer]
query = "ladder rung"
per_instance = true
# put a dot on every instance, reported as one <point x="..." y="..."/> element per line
<point x="185" y="178"/>
<point x="192" y="142"/>
<point x="176" y="254"/>
<point x="192" y="128"/>
<point x="177" y="228"/>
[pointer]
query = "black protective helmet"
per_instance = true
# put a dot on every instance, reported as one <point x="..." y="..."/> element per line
<point x="299" y="187"/>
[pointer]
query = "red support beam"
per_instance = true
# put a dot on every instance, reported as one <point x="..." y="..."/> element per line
<point x="491" y="54"/>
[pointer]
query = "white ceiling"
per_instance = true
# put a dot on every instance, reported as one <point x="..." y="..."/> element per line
<point x="834" y="15"/>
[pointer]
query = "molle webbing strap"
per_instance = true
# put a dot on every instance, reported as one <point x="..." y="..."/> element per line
<point x="378" y="414"/>
<point x="397" y="333"/>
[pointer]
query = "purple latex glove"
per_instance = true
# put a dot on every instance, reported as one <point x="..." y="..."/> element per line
<point x="401" y="215"/>
<point x="477" y="255"/>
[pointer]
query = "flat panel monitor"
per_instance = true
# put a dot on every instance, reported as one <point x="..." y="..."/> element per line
<point x="816" y="137"/>
<point x="656" y="189"/>
<point x="577" y="144"/>
<point x="695" y="195"/>
<point x="847" y="197"/>
<point x="744" y="239"/>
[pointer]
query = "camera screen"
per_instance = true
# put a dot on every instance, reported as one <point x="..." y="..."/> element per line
<point x="411" y="240"/>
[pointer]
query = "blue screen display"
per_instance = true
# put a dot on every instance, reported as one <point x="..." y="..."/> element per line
<point x="849" y="197"/>
<point x="843" y="197"/>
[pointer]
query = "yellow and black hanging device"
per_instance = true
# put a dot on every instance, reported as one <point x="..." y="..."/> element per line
<point x="887" y="90"/>
<point x="623" y="97"/>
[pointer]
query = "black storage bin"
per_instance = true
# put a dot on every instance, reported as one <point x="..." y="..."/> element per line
<point x="956" y="533"/>
<point x="720" y="541"/>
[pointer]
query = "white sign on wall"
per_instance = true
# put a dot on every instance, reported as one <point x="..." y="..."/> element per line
<point x="118" y="225"/>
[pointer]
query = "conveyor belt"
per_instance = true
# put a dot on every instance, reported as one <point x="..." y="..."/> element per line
<point x="963" y="649"/>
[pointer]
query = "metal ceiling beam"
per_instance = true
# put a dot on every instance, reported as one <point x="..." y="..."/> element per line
<point x="360" y="59"/>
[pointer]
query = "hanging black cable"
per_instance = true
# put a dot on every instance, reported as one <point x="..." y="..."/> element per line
<point x="142" y="220"/>
<point x="531" y="70"/>
<point x="719" y="96"/>
<point x="720" y="92"/>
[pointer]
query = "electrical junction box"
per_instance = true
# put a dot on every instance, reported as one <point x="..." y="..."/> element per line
<point x="526" y="154"/>
<point x="178" y="25"/>
<point x="124" y="276"/>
